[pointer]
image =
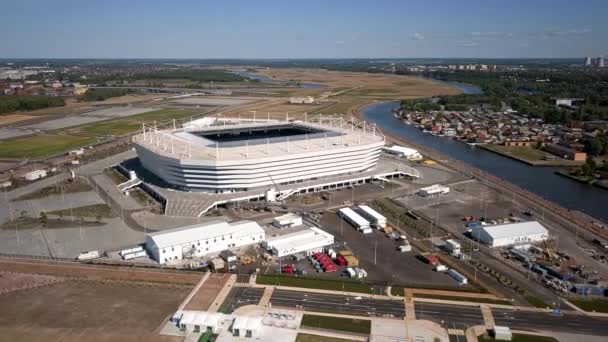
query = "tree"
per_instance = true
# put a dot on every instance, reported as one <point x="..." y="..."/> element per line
<point x="593" y="146"/>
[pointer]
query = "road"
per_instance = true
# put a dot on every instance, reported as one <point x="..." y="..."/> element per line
<point x="448" y="315"/>
<point x="339" y="304"/>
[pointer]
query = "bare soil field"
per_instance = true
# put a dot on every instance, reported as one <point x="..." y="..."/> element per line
<point x="101" y="311"/>
<point x="203" y="299"/>
<point x="11" y="118"/>
<point x="10" y="281"/>
<point x="373" y="86"/>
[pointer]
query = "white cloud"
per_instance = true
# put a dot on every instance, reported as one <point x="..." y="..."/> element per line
<point x="417" y="36"/>
<point x="339" y="42"/>
<point x="468" y="44"/>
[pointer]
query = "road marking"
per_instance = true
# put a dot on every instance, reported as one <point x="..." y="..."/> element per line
<point x="457" y="332"/>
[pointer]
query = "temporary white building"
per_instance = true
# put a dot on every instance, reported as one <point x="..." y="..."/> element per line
<point x="510" y="233"/>
<point x="202" y="239"/>
<point x="287" y="221"/>
<point x="34" y="175"/>
<point x="305" y="241"/>
<point x="355" y="219"/>
<point x="246" y="326"/>
<point x="436" y="189"/>
<point x="199" y="321"/>
<point x="372" y="216"/>
<point x="403" y="152"/>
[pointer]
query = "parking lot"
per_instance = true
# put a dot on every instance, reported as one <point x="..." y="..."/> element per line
<point x="378" y="255"/>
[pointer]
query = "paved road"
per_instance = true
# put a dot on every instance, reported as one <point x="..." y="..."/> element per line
<point x="450" y="316"/>
<point x="339" y="304"/>
<point x="241" y="296"/>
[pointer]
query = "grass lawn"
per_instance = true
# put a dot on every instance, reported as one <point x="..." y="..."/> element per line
<point x="522" y="338"/>
<point x="376" y="92"/>
<point x="95" y="210"/>
<point x="537" y="302"/>
<point x="341" y="107"/>
<point x="132" y="123"/>
<point x="464" y="299"/>
<point x="317" y="338"/>
<point x="311" y="283"/>
<point x="360" y="326"/>
<point x="41" y="145"/>
<point x="65" y="187"/>
<point x="115" y="176"/>
<point x="527" y="153"/>
<point x="597" y="305"/>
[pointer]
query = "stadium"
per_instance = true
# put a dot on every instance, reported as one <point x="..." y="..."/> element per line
<point x="239" y="159"/>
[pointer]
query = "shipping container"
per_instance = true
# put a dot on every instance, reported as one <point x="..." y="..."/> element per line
<point x="457" y="276"/>
<point x="88" y="255"/>
<point x="341" y="261"/>
<point x="130" y="250"/>
<point x="135" y="255"/>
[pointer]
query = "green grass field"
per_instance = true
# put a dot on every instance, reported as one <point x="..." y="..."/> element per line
<point x="311" y="283"/>
<point x="41" y="145"/>
<point x="597" y="305"/>
<point x="316" y="338"/>
<point x="359" y="326"/>
<point x="527" y="153"/>
<point x="465" y="299"/>
<point x="537" y="302"/>
<point x="132" y="123"/>
<point x="95" y="210"/>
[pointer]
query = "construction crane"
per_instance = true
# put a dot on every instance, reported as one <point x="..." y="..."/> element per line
<point x="548" y="252"/>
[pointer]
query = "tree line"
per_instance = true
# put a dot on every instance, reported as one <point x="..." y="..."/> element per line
<point x="13" y="103"/>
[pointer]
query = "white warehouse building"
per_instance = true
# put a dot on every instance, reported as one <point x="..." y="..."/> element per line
<point x="201" y="239"/>
<point x="306" y="241"/>
<point x="510" y="233"/>
<point x="403" y="152"/>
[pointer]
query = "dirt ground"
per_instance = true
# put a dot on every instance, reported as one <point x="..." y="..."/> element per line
<point x="207" y="293"/>
<point x="102" y="311"/>
<point x="7" y="119"/>
<point x="10" y="281"/>
<point x="372" y="86"/>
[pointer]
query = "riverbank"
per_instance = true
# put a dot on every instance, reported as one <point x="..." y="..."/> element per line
<point x="528" y="155"/>
<point x="584" y="180"/>
<point x="501" y="174"/>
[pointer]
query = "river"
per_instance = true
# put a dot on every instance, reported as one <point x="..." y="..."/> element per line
<point x="265" y="79"/>
<point x="540" y="180"/>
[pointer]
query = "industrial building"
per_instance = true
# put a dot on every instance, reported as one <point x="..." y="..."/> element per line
<point x="510" y="234"/>
<point x="287" y="221"/>
<point x="403" y="152"/>
<point x="201" y="239"/>
<point x="306" y="241"/>
<point x="372" y="216"/>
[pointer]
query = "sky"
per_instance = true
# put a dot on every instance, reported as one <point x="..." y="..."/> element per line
<point x="303" y="29"/>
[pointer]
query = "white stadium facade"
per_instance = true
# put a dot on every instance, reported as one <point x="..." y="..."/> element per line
<point x="227" y="158"/>
<point x="236" y="159"/>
